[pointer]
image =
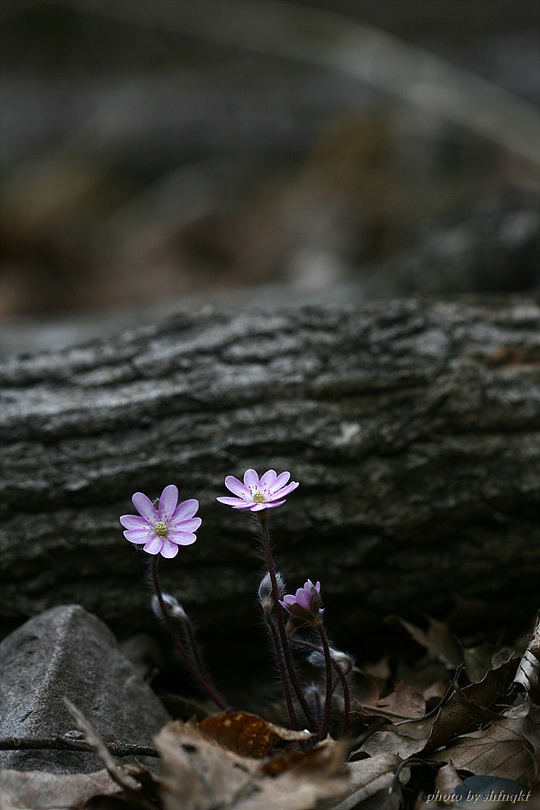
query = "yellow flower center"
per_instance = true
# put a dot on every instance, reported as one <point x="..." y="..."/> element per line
<point x="161" y="529"/>
<point x="258" y="497"/>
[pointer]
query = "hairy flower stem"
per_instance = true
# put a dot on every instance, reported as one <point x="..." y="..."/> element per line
<point x="198" y="675"/>
<point x="329" y="680"/>
<point x="282" y="672"/>
<point x="194" y="646"/>
<point x="342" y="677"/>
<point x="282" y="631"/>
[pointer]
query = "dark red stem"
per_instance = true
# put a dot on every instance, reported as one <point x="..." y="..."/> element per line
<point x="281" y="623"/>
<point x="199" y="676"/>
<point x="329" y="681"/>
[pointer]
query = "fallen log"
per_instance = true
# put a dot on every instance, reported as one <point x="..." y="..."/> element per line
<point x="413" y="428"/>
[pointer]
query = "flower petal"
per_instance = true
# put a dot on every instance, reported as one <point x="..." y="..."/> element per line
<point x="190" y="525"/>
<point x="145" y="507"/>
<point x="169" y="550"/>
<point x="268" y="479"/>
<point x="184" y="510"/>
<point x="167" y="502"/>
<point x="236" y="487"/>
<point x="251" y="479"/>
<point x="284" y="491"/>
<point x="134" y="522"/>
<point x="273" y="504"/>
<point x="236" y="502"/>
<point x="154" y="544"/>
<point x="183" y="538"/>
<point x="137" y="535"/>
<point x="280" y="481"/>
<point x="303" y="598"/>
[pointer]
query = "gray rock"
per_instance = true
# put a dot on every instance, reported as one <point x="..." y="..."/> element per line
<point x="69" y="652"/>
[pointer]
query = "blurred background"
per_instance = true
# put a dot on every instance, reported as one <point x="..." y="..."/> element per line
<point x="170" y="155"/>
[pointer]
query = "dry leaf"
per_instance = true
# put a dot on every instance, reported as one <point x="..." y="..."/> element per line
<point x="502" y="751"/>
<point x="391" y="742"/>
<point x="197" y="771"/>
<point x="371" y="776"/>
<point x="438" y="640"/>
<point x="200" y="775"/>
<point x="320" y="774"/>
<point x="447" y="779"/>
<point x="403" y="704"/>
<point x="247" y="734"/>
<point x="528" y="672"/>
<point x="478" y="660"/>
<point x="52" y="791"/>
<point x="367" y="687"/>
<point x="465" y="707"/>
<point x="284" y="760"/>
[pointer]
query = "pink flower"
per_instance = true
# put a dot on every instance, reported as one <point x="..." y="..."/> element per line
<point x="305" y="600"/>
<point x="162" y="530"/>
<point x="257" y="493"/>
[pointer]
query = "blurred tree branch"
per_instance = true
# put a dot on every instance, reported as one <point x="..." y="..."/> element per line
<point x="367" y="53"/>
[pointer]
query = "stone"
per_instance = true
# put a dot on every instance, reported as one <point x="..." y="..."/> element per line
<point x="68" y="652"/>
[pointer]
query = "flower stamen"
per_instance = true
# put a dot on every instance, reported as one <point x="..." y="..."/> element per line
<point x="161" y="529"/>
<point x="258" y="497"/>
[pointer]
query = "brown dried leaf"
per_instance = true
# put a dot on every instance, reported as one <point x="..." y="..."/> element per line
<point x="528" y="672"/>
<point x="392" y="742"/>
<point x="380" y="669"/>
<point x="197" y="771"/>
<point x="501" y="750"/>
<point x="247" y="734"/>
<point x="52" y="791"/>
<point x="404" y="703"/>
<point x="438" y="640"/>
<point x="465" y="707"/>
<point x="478" y="660"/>
<point x="320" y="774"/>
<point x="200" y="775"/>
<point x="284" y="760"/>
<point x="367" y="687"/>
<point x="369" y="776"/>
<point x="447" y="779"/>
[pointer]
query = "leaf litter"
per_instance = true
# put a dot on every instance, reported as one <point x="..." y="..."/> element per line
<point x="396" y="755"/>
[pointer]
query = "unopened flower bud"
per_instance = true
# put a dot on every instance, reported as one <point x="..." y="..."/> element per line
<point x="304" y="606"/>
<point x="173" y="606"/>
<point x="314" y="695"/>
<point x="265" y="593"/>
<point x="344" y="661"/>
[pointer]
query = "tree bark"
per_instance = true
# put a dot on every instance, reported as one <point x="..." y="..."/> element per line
<point x="412" y="427"/>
